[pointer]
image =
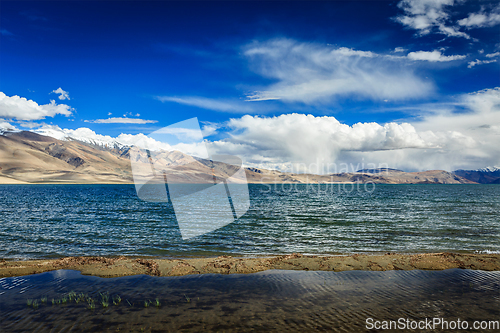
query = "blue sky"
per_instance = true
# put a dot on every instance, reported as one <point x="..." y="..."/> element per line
<point x="344" y="77"/>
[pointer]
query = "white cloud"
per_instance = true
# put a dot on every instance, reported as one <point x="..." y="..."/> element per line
<point x="479" y="62"/>
<point x="399" y="49"/>
<point x="461" y="134"/>
<point x="305" y="143"/>
<point x="310" y="73"/>
<point x="78" y="134"/>
<point x="87" y="135"/>
<point x="233" y="106"/>
<point x="443" y="139"/>
<point x="314" y="143"/>
<point x="31" y="124"/>
<point x="62" y="94"/>
<point x="492" y="55"/>
<point x="20" y="108"/>
<point x="119" y="120"/>
<point x="7" y="127"/>
<point x="482" y="19"/>
<point x="209" y="128"/>
<point x="476" y="132"/>
<point x="428" y="16"/>
<point x="433" y="56"/>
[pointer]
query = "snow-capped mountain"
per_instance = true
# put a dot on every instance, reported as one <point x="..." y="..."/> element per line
<point x="489" y="169"/>
<point x="488" y="175"/>
<point x="86" y="135"/>
<point x="81" y="134"/>
<point x="6" y="127"/>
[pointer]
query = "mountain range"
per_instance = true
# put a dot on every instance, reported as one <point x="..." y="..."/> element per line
<point x="489" y="175"/>
<point x="28" y="157"/>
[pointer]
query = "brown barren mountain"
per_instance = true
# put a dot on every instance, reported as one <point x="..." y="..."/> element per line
<point x="27" y="157"/>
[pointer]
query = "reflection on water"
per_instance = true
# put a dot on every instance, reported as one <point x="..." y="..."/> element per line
<point x="266" y="301"/>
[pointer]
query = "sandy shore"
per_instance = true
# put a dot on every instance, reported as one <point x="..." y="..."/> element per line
<point x="122" y="266"/>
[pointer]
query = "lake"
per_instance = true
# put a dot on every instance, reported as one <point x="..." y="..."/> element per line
<point x="45" y="221"/>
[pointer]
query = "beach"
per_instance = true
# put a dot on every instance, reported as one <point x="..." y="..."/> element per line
<point x="122" y="266"/>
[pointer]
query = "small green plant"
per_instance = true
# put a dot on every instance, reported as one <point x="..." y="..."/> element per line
<point x="104" y="296"/>
<point x="187" y="298"/>
<point x="80" y="297"/>
<point x="64" y="300"/>
<point x="53" y="302"/>
<point x="104" y="299"/>
<point x="29" y="302"/>
<point x="146" y="304"/>
<point x="91" y="303"/>
<point x="35" y="304"/>
<point x="116" y="300"/>
<point x="157" y="303"/>
<point x="72" y="296"/>
<point x="43" y="300"/>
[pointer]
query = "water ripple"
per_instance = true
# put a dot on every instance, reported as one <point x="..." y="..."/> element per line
<point x="67" y="220"/>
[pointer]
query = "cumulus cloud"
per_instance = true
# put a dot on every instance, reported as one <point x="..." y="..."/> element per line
<point x="87" y="135"/>
<point x="482" y="19"/>
<point x="79" y="133"/>
<point x="305" y="143"/>
<point x="20" y="108"/>
<point x="461" y="134"/>
<point x="427" y="16"/>
<point x="433" y="56"/>
<point x="309" y="73"/>
<point x="479" y="62"/>
<point x="475" y="132"/>
<point x="120" y="120"/>
<point x="62" y="94"/>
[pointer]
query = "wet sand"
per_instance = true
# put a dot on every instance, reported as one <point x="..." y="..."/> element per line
<point x="125" y="266"/>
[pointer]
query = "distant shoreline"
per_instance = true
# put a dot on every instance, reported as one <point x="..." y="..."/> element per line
<point x="127" y="266"/>
<point x="249" y="183"/>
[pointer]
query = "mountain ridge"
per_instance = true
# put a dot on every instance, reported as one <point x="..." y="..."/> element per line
<point x="29" y="157"/>
<point x="488" y="175"/>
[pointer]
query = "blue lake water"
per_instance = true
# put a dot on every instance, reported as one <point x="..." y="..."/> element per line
<point x="43" y="221"/>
